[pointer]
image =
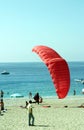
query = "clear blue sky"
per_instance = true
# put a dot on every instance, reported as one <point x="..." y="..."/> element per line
<point x="24" y="24"/>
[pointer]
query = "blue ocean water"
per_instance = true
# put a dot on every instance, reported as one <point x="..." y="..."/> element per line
<point x="34" y="77"/>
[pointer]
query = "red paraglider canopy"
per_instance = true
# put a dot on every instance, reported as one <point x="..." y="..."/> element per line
<point x="57" y="67"/>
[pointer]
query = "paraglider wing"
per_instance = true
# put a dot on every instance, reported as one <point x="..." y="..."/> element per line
<point x="57" y="67"/>
<point x="46" y="53"/>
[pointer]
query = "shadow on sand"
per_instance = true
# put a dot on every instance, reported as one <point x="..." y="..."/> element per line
<point x="41" y="125"/>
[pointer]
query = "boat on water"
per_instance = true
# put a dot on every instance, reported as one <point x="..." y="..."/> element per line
<point x="80" y="80"/>
<point x="16" y="95"/>
<point x="5" y="72"/>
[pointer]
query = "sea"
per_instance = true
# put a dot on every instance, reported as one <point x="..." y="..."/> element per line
<point x="26" y="77"/>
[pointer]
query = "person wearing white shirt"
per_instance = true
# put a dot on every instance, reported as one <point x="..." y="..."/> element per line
<point x="30" y="114"/>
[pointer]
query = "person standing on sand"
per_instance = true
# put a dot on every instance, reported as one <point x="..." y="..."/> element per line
<point x="74" y="92"/>
<point x="30" y="95"/>
<point x="1" y="100"/>
<point x="30" y="114"/>
<point x="1" y="94"/>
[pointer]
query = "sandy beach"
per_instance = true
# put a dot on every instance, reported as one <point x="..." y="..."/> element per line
<point x="52" y="114"/>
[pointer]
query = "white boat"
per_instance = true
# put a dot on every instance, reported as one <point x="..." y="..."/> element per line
<point x="80" y="80"/>
<point x="77" y="80"/>
<point x="16" y="95"/>
<point x="5" y="72"/>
